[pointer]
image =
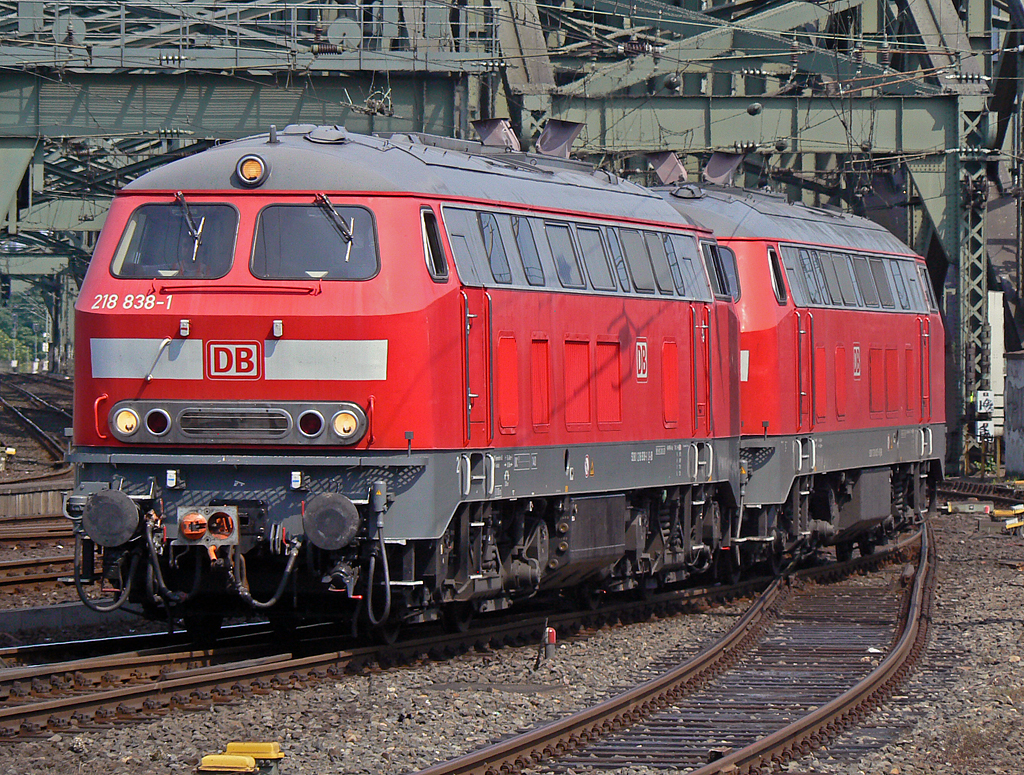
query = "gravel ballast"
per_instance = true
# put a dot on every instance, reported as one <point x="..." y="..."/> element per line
<point x="959" y="713"/>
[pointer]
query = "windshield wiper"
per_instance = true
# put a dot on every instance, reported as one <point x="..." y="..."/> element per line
<point x="194" y="231"/>
<point x="339" y="222"/>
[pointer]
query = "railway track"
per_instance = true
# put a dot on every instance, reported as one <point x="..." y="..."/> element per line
<point x="34" y="570"/>
<point x="1001" y="494"/>
<point x="135" y="686"/>
<point x="32" y="528"/>
<point x="668" y="716"/>
<point x="126" y="688"/>
<point x="39" y="407"/>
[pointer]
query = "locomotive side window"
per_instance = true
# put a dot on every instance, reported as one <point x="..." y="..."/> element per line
<point x="177" y="240"/>
<point x="730" y="272"/>
<point x="618" y="259"/>
<point x="864" y="279"/>
<point x="777" y="284"/>
<point x="596" y="258"/>
<point x="528" y="254"/>
<point x="928" y="293"/>
<point x="300" y="242"/>
<point x="797" y="284"/>
<point x="563" y="251"/>
<point x="437" y="265"/>
<point x="816" y="291"/>
<point x="882" y="282"/>
<point x="692" y="283"/>
<point x="831" y="279"/>
<point x="464" y="237"/>
<point x="841" y="261"/>
<point x="916" y="299"/>
<point x="659" y="258"/>
<point x="494" y="249"/>
<point x="639" y="261"/>
<point x="716" y="273"/>
<point x="899" y="282"/>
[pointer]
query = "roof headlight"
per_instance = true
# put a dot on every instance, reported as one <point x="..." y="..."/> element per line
<point x="251" y="170"/>
<point x="126" y="421"/>
<point x="349" y="424"/>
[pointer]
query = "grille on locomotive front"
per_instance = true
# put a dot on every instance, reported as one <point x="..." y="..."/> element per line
<point x="251" y="423"/>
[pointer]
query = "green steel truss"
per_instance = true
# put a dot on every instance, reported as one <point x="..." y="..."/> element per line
<point x="876" y="105"/>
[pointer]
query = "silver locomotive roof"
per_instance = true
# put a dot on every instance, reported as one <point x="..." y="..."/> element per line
<point x="746" y="214"/>
<point x="304" y="157"/>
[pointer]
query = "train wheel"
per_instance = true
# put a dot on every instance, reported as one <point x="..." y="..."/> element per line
<point x="866" y="546"/>
<point x="457" y="618"/>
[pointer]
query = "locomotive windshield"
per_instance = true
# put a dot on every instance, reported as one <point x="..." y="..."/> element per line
<point x="323" y="240"/>
<point x="177" y="240"/>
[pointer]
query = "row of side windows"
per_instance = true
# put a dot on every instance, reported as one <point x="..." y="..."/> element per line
<point x="823" y="278"/>
<point x="521" y="251"/>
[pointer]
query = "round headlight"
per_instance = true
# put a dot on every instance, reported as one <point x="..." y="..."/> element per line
<point x="126" y="421"/>
<point x="346" y="425"/>
<point x="251" y="170"/>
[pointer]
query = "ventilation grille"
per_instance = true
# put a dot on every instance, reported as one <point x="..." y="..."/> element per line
<point x="240" y="423"/>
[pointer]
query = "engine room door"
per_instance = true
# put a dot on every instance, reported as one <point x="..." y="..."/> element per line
<point x="925" y="359"/>
<point x="477" y="365"/>
<point x="700" y="361"/>
<point x="804" y="368"/>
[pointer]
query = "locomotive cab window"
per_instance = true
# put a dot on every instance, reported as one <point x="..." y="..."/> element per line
<point x="317" y="241"/>
<point x="730" y="271"/>
<point x="437" y="265"/>
<point x="714" y="263"/>
<point x="184" y="239"/>
<point x="778" y="286"/>
<point x="927" y="284"/>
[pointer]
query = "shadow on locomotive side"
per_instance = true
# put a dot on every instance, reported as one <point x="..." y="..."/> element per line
<point x="405" y="378"/>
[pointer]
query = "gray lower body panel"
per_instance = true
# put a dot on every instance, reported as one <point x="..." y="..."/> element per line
<point x="774" y="462"/>
<point x="424" y="489"/>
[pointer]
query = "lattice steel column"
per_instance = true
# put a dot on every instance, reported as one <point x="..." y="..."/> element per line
<point x="972" y="332"/>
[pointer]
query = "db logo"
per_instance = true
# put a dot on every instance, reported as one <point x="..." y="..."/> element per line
<point x="233" y="360"/>
<point x="856" y="361"/>
<point x="641" y="360"/>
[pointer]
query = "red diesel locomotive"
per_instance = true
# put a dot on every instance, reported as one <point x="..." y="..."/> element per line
<point x="399" y="378"/>
<point x="841" y="375"/>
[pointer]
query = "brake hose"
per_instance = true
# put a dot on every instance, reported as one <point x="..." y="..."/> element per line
<point x="387" y="584"/>
<point x="243" y="590"/>
<point x="169" y="597"/>
<point x="86" y="600"/>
